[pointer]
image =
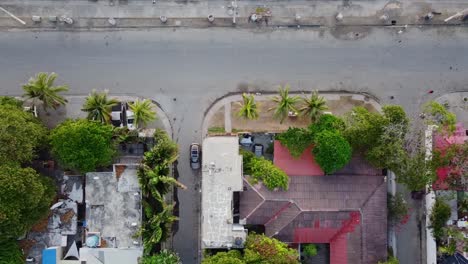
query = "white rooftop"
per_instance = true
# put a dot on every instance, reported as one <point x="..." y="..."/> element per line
<point x="221" y="176"/>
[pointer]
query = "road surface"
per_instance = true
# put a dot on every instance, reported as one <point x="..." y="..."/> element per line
<point x="185" y="70"/>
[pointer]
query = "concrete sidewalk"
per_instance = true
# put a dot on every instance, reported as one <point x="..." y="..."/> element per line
<point x="135" y="14"/>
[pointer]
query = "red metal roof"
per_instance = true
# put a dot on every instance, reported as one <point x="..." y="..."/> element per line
<point x="305" y="165"/>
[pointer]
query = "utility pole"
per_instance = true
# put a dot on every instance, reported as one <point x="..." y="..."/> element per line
<point x="13" y="16"/>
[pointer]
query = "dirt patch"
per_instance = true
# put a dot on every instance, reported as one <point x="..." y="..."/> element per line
<point x="41" y="226"/>
<point x="266" y="122"/>
<point x="66" y="217"/>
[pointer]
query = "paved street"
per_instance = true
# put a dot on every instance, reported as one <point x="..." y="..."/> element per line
<point x="186" y="70"/>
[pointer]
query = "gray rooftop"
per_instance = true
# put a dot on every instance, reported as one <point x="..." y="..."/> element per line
<point x="113" y="206"/>
<point x="221" y="176"/>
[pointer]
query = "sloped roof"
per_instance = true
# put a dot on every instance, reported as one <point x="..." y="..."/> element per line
<point x="347" y="211"/>
<point x="305" y="165"/>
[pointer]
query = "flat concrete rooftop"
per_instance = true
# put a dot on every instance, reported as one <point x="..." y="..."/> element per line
<point x="221" y="177"/>
<point x="113" y="206"/>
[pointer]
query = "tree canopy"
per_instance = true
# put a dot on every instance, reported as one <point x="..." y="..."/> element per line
<point x="296" y="140"/>
<point x="21" y="134"/>
<point x="163" y="257"/>
<point x="83" y="145"/>
<point x="332" y="152"/>
<point x="258" y="249"/>
<point x="42" y="88"/>
<point x="313" y="106"/>
<point x="143" y="111"/>
<point x="285" y="104"/>
<point x="25" y="198"/>
<point x="99" y="106"/>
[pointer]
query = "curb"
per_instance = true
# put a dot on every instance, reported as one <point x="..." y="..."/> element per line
<point x="329" y="95"/>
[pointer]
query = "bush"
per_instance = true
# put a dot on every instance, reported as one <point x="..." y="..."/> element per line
<point x="263" y="249"/>
<point x="296" y="140"/>
<point x="332" y="151"/>
<point x="310" y="250"/>
<point x="327" y="122"/>
<point x="263" y="170"/>
<point x="163" y="257"/>
<point x="230" y="257"/>
<point x="10" y="252"/>
<point x="83" y="145"/>
<point x="439" y="216"/>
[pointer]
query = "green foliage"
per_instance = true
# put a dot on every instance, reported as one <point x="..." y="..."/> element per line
<point x="230" y="257"/>
<point x="327" y="122"/>
<point x="155" y="182"/>
<point x="285" y="104"/>
<point x="248" y="108"/>
<point x="415" y="172"/>
<point x="83" y="145"/>
<point x="21" y="135"/>
<point x="42" y="88"/>
<point x="363" y="128"/>
<point x="437" y="114"/>
<point x="395" y="115"/>
<point x="263" y="249"/>
<point x="143" y="111"/>
<point x="263" y="170"/>
<point x="25" y="198"/>
<point x="397" y="208"/>
<point x="99" y="107"/>
<point x="391" y="260"/>
<point x="313" y="106"/>
<point x="10" y="252"/>
<point x="310" y="250"/>
<point x="296" y="140"/>
<point x="332" y="152"/>
<point x="7" y="100"/>
<point x="163" y="257"/>
<point x="439" y="216"/>
<point x="216" y="130"/>
<point x="449" y="249"/>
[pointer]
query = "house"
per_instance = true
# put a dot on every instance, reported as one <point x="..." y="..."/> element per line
<point x="346" y="210"/>
<point x="221" y="184"/>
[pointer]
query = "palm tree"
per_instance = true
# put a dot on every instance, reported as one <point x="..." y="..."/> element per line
<point x="313" y="106"/>
<point x="42" y="88"/>
<point x="248" y="107"/>
<point x="285" y="104"/>
<point x="143" y="111"/>
<point x="99" y="107"/>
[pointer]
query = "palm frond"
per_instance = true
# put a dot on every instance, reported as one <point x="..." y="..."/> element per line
<point x="99" y="107"/>
<point x="143" y="111"/>
<point x="248" y="108"/>
<point x="313" y="106"/>
<point x="42" y="88"/>
<point x="285" y="104"/>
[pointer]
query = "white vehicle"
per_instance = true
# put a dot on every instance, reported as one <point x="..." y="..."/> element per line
<point x="130" y="117"/>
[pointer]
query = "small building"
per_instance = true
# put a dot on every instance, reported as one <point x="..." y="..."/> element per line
<point x="221" y="184"/>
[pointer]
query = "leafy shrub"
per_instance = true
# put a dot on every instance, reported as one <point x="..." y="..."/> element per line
<point x="263" y="170"/>
<point x="391" y="260"/>
<point x="310" y="250"/>
<point x="83" y="145"/>
<point x="163" y="257"/>
<point x="327" y="122"/>
<point x="437" y="114"/>
<point x="439" y="216"/>
<point x="10" y="252"/>
<point x="296" y="140"/>
<point x="263" y="249"/>
<point x="230" y="257"/>
<point x="332" y="151"/>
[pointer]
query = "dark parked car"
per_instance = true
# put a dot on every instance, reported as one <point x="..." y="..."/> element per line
<point x="117" y="115"/>
<point x="195" y="154"/>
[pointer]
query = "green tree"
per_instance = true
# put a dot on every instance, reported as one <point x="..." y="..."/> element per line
<point x="332" y="152"/>
<point x="313" y="106"/>
<point x="248" y="108"/>
<point x="10" y="252"/>
<point x="25" y="196"/>
<point x="21" y="135"/>
<point x="83" y="145"/>
<point x="437" y="114"/>
<point x="363" y="128"/>
<point x="143" y="111"/>
<point x="296" y="140"/>
<point x="229" y="257"/>
<point x="285" y="104"/>
<point x="327" y="122"/>
<point x="440" y="214"/>
<point x="415" y="172"/>
<point x="8" y="100"/>
<point x="99" y="106"/>
<point x="263" y="249"/>
<point x="42" y="88"/>
<point x="163" y="257"/>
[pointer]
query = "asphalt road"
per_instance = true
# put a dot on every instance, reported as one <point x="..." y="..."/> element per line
<point x="186" y="70"/>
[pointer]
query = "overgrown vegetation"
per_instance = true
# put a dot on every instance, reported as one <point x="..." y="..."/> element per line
<point x="332" y="152"/>
<point x="437" y="114"/>
<point x="261" y="169"/>
<point x="83" y="145"/>
<point x="310" y="250"/>
<point x="155" y="179"/>
<point x="163" y="257"/>
<point x="258" y="249"/>
<point x="10" y="252"/>
<point x="439" y="216"/>
<point x="296" y="140"/>
<point x="248" y="108"/>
